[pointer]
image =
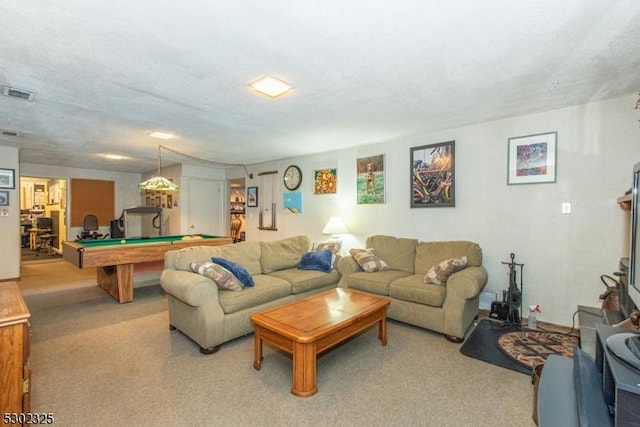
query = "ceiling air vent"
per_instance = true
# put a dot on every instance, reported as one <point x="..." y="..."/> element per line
<point x="4" y="132"/>
<point x="17" y="93"/>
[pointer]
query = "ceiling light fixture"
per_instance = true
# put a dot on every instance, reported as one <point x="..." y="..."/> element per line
<point x="114" y="157"/>
<point x="161" y="135"/>
<point x="271" y="87"/>
<point x="158" y="182"/>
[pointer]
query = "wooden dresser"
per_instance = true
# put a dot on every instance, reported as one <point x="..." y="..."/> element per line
<point x="14" y="350"/>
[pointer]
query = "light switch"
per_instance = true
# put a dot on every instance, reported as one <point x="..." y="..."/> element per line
<point x="566" y="208"/>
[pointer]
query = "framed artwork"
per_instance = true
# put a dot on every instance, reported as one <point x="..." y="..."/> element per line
<point x="4" y="198"/>
<point x="8" y="178"/>
<point x="169" y="201"/>
<point x="433" y="175"/>
<point x="532" y="159"/>
<point x="292" y="202"/>
<point x="370" y="180"/>
<point x="325" y="181"/>
<point x="252" y="197"/>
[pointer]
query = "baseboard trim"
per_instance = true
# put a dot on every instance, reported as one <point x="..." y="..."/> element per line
<point x="544" y="326"/>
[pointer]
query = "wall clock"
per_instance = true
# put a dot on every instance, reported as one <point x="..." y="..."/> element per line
<point x="292" y="177"/>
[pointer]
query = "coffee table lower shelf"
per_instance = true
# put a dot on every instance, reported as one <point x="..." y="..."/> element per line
<point x="312" y="325"/>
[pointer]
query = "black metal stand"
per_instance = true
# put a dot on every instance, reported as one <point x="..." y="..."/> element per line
<point x="513" y="296"/>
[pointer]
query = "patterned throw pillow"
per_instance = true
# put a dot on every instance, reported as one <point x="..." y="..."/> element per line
<point x="222" y="277"/>
<point x="439" y="273"/>
<point x="368" y="260"/>
<point x="334" y="247"/>
<point x="239" y="271"/>
<point x="320" y="261"/>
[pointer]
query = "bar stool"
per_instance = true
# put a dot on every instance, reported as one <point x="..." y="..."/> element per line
<point x="45" y="243"/>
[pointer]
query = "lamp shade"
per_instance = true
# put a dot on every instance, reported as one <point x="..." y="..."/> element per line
<point x="335" y="225"/>
<point x="158" y="183"/>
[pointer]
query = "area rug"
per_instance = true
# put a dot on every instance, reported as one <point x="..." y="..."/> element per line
<point x="531" y="348"/>
<point x="523" y="352"/>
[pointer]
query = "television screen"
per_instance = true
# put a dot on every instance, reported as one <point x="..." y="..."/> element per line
<point x="634" y="247"/>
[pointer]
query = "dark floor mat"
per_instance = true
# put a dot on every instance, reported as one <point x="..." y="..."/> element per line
<point x="483" y="344"/>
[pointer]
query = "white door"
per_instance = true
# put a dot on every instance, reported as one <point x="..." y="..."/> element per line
<point x="206" y="215"/>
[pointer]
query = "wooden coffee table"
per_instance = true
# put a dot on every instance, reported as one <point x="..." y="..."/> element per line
<point x="311" y="325"/>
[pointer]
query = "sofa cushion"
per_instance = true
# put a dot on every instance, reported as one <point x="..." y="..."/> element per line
<point x="377" y="282"/>
<point x="439" y="273"/>
<point x="368" y="260"/>
<point x="320" y="261"/>
<point x="247" y="254"/>
<point x="307" y="280"/>
<point x="412" y="288"/>
<point x="429" y="254"/>
<point x="223" y="278"/>
<point x="281" y="254"/>
<point x="398" y="252"/>
<point x="266" y="289"/>
<point x="237" y="270"/>
<point x="334" y="247"/>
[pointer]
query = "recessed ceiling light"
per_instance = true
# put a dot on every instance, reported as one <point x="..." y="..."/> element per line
<point x="114" y="157"/>
<point x="271" y="86"/>
<point x="161" y="135"/>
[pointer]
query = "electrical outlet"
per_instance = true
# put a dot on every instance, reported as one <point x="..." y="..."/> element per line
<point x="566" y="208"/>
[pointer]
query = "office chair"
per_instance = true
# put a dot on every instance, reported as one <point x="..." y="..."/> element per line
<point x="90" y="228"/>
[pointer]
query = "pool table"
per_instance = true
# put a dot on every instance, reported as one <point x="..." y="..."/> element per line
<point x="115" y="258"/>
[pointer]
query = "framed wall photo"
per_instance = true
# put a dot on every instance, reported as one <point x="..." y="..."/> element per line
<point x="532" y="159"/>
<point x="8" y="178"/>
<point x="252" y="197"/>
<point x="433" y="178"/>
<point x="325" y="181"/>
<point x="4" y="198"/>
<point x="370" y="180"/>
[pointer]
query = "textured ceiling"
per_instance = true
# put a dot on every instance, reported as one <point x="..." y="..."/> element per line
<point x="105" y="73"/>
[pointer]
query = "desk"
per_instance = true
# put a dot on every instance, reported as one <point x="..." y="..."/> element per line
<point x="115" y="258"/>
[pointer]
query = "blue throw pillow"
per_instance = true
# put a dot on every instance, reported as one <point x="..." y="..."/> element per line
<point x="320" y="260"/>
<point x="236" y="269"/>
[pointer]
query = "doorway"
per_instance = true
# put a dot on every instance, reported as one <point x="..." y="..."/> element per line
<point x="42" y="218"/>
<point x="237" y="203"/>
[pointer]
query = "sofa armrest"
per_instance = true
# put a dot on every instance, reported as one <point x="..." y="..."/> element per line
<point x="190" y="288"/>
<point x="347" y="266"/>
<point x="467" y="283"/>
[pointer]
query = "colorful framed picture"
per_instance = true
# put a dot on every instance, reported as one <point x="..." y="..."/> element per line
<point x="4" y="198"/>
<point x="433" y="180"/>
<point x="532" y="159"/>
<point x="325" y="181"/>
<point x="8" y="178"/>
<point x="370" y="180"/>
<point x="292" y="202"/>
<point x="252" y="197"/>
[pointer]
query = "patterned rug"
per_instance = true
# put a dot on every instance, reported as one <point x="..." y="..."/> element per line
<point x="531" y="348"/>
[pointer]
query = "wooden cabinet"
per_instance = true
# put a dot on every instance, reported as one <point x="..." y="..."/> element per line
<point x="14" y="350"/>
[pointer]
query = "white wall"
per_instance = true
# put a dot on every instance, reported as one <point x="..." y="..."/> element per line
<point x="564" y="255"/>
<point x="10" y="224"/>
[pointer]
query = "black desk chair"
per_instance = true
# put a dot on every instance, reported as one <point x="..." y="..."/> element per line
<point x="90" y="229"/>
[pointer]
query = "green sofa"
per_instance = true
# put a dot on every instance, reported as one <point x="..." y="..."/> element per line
<point x="211" y="316"/>
<point x="448" y="309"/>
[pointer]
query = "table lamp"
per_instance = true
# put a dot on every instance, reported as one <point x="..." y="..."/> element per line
<point x="335" y="226"/>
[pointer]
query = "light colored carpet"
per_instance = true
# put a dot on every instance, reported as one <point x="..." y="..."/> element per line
<point x="99" y="363"/>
